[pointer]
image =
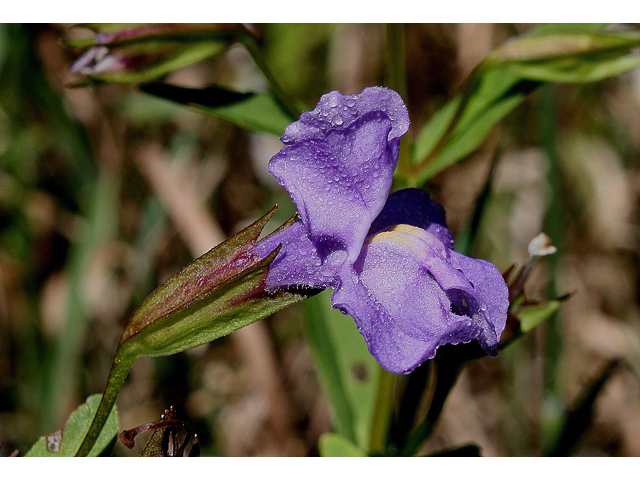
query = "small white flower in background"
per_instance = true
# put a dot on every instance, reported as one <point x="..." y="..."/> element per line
<point x="541" y="246"/>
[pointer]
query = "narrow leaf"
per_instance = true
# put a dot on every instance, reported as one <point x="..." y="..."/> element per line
<point x="551" y="45"/>
<point x="569" y="57"/>
<point x="469" y="117"/>
<point x="500" y="83"/>
<point x="435" y="129"/>
<point x="531" y="316"/>
<point x="254" y="111"/>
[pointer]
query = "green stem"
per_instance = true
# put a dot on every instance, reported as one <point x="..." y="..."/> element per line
<point x="288" y="105"/>
<point x="556" y="218"/>
<point x="396" y="78"/>
<point x="467" y="238"/>
<point x="556" y="223"/>
<point x="424" y="430"/>
<point x="448" y="365"/>
<point x="118" y="374"/>
<point x="382" y="411"/>
<point x="419" y="388"/>
<point x="394" y="53"/>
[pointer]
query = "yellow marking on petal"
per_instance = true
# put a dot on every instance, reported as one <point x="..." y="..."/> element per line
<point x="413" y="238"/>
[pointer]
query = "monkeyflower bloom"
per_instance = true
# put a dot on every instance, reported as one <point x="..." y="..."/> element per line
<point x="388" y="258"/>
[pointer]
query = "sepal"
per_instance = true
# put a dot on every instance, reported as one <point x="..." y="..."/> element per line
<point x="218" y="293"/>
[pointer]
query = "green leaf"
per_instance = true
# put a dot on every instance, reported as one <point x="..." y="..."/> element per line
<point x="334" y="445"/>
<point x="503" y="80"/>
<point x="465" y="121"/>
<point x="435" y="129"/>
<point x="467" y="235"/>
<point x="531" y="316"/>
<point x="348" y="372"/>
<point x="569" y="57"/>
<point x="65" y="442"/>
<point x="254" y="111"/>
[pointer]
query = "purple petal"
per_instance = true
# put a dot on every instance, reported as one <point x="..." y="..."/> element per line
<point x="490" y="292"/>
<point x="406" y="299"/>
<point x="297" y="264"/>
<point x="412" y="206"/>
<point x="335" y="110"/>
<point x="339" y="184"/>
<point x="396" y="351"/>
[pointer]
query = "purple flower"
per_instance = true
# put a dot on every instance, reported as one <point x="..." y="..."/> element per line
<point x="389" y="258"/>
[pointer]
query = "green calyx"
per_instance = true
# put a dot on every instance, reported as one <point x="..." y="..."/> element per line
<point x="215" y="295"/>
